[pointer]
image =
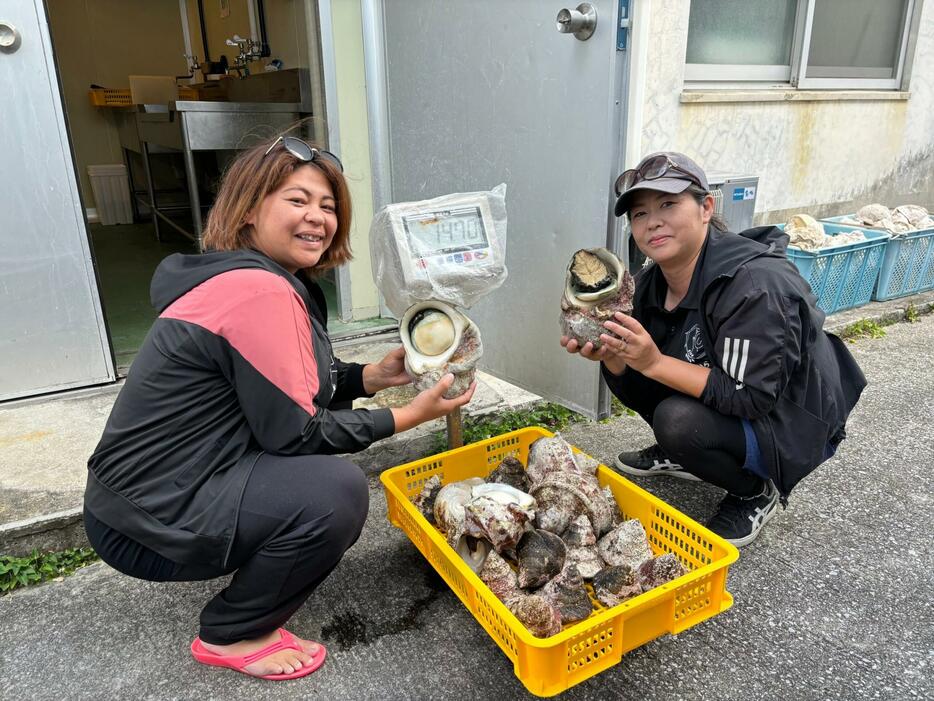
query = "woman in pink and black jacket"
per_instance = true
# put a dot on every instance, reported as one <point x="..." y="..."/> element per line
<point x="219" y="454"/>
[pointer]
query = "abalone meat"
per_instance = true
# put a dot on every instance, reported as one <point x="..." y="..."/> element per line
<point x="596" y="287"/>
<point x="438" y="339"/>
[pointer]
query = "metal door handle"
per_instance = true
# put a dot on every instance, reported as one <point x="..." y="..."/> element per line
<point x="580" y="22"/>
<point x="10" y="38"/>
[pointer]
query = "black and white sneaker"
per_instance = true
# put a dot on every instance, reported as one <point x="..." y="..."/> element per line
<point x="739" y="519"/>
<point x="650" y="462"/>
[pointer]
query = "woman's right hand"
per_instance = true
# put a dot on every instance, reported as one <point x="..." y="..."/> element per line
<point x="430" y="404"/>
<point x="613" y="362"/>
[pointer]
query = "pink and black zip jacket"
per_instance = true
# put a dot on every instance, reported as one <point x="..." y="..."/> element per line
<point x="238" y="363"/>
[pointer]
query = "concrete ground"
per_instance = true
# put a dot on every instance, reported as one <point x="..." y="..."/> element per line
<point x="834" y="600"/>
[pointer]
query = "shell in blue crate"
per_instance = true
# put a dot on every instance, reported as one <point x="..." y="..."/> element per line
<point x="807" y="234"/>
<point x="898" y="221"/>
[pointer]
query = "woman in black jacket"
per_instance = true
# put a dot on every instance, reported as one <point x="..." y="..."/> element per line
<point x="218" y="457"/>
<point x="724" y="354"/>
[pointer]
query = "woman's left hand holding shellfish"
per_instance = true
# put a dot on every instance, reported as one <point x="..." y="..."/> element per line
<point x="430" y="404"/>
<point x="631" y="343"/>
<point x="388" y="372"/>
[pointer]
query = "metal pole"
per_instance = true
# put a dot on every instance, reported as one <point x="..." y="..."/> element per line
<point x="192" y="178"/>
<point x="153" y="207"/>
<point x="455" y="429"/>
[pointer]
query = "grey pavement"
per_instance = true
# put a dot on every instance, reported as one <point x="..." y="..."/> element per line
<point x="835" y="600"/>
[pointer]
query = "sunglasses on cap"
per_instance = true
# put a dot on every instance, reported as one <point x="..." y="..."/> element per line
<point x="303" y="152"/>
<point x="655" y="168"/>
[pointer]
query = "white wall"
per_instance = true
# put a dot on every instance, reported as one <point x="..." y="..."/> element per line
<point x="820" y="156"/>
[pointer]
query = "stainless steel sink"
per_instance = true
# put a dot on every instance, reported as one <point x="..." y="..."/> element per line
<point x="212" y="126"/>
<point x="189" y="126"/>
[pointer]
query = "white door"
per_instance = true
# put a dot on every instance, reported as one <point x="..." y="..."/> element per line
<point x="52" y="333"/>
<point x="467" y="95"/>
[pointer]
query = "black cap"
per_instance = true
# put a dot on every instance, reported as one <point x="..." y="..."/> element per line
<point x="673" y="182"/>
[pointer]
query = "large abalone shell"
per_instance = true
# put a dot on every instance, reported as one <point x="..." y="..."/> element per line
<point x="449" y="508"/>
<point x="597" y="285"/>
<point x="541" y="556"/>
<point x="550" y="454"/>
<point x="615" y="584"/>
<point x="626" y="544"/>
<point x="563" y="496"/>
<point x="664" y="568"/>
<point x="510" y="471"/>
<point x="582" y="547"/>
<point x="425" y="500"/>
<point x="500" y="578"/>
<point x="537" y="614"/>
<point x="438" y="339"/>
<point x="567" y="593"/>
<point x="498" y="513"/>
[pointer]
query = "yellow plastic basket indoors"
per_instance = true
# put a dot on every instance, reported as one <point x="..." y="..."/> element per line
<point x="547" y="666"/>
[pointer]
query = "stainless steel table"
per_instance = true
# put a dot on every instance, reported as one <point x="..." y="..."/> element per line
<point x="188" y="127"/>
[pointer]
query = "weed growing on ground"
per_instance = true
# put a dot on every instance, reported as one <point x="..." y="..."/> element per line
<point x="39" y="567"/>
<point x="912" y="314"/>
<point x="554" y="417"/>
<point x="617" y="408"/>
<point x="864" y="328"/>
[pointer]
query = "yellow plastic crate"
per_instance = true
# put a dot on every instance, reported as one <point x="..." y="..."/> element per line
<point x="547" y="666"/>
<point x="110" y="97"/>
<point x="186" y="93"/>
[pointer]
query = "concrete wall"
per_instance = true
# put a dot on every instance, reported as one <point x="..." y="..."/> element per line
<point x="823" y="156"/>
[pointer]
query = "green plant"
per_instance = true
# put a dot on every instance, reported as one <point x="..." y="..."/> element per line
<point x="617" y="408"/>
<point x="39" y="567"/>
<point x="554" y="417"/>
<point x="912" y="314"/>
<point x="864" y="328"/>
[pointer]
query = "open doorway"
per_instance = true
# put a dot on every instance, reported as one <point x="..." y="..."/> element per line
<point x="158" y="98"/>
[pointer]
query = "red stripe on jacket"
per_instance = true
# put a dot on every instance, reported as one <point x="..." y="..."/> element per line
<point x="262" y="316"/>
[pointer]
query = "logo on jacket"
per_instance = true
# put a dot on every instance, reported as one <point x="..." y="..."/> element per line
<point x="694" y="345"/>
<point x="735" y="355"/>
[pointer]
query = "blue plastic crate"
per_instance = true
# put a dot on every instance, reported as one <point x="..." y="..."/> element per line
<point x="908" y="265"/>
<point x="842" y="277"/>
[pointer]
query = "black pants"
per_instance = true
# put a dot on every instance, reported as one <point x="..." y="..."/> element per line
<point x="298" y="517"/>
<point x="706" y="443"/>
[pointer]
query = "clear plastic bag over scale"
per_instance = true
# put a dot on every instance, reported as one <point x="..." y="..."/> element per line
<point x="450" y="248"/>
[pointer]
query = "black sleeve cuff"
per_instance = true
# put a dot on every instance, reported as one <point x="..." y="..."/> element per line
<point x="384" y="425"/>
<point x="350" y="385"/>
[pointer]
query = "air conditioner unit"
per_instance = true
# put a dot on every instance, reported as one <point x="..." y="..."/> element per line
<point x="734" y="198"/>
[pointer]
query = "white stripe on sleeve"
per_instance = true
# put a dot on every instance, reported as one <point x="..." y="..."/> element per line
<point x="742" y="364"/>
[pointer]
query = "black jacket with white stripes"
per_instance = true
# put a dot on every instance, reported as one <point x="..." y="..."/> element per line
<point x="771" y="361"/>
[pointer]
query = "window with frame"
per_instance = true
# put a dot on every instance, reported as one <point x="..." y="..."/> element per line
<point x="809" y="44"/>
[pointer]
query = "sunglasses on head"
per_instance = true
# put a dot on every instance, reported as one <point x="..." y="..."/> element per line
<point x="303" y="152"/>
<point x="651" y="170"/>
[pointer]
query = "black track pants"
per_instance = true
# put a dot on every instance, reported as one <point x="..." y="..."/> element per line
<point x="706" y="443"/>
<point x="298" y="517"/>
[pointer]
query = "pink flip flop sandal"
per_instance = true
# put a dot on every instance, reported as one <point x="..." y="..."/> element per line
<point x="285" y="642"/>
